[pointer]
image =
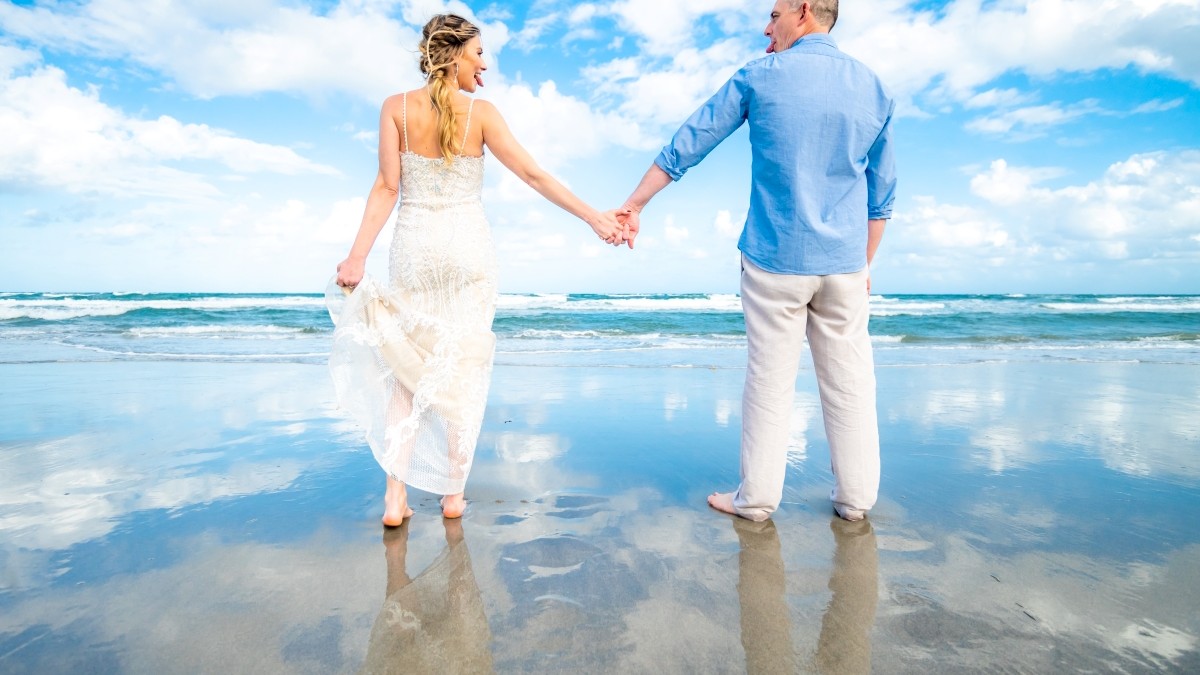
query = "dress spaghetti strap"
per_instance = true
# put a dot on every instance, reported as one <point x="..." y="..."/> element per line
<point x="404" y="121"/>
<point x="463" y="146"/>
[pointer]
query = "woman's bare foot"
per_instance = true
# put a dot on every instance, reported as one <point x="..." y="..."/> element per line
<point x="395" y="503"/>
<point x="453" y="506"/>
<point x="723" y="502"/>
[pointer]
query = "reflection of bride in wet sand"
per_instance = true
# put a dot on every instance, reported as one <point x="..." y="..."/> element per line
<point x="435" y="622"/>
<point x="844" y="645"/>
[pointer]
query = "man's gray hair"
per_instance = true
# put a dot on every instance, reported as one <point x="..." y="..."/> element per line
<point x="824" y="11"/>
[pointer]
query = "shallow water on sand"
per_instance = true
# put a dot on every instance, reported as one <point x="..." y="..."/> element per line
<point x="201" y="517"/>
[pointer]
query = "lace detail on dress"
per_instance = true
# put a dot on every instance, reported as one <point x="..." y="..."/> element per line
<point x="412" y="360"/>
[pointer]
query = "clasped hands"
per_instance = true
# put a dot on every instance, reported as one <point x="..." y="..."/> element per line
<point x="619" y="226"/>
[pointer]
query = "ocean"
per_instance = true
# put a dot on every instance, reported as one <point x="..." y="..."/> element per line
<point x="654" y="330"/>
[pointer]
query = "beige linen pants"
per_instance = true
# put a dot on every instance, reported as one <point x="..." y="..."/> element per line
<point x="832" y="311"/>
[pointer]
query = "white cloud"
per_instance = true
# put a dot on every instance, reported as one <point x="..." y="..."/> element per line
<point x="726" y="226"/>
<point x="1002" y="184"/>
<point x="1142" y="209"/>
<point x="1158" y="105"/>
<point x="219" y="245"/>
<point x="664" y="95"/>
<point x="243" y="48"/>
<point x="62" y="137"/>
<point x="674" y="234"/>
<point x="529" y="37"/>
<point x="945" y="227"/>
<point x="216" y="49"/>
<point x="1032" y="121"/>
<point x="1026" y="123"/>
<point x="994" y="98"/>
<point x="120" y="231"/>
<point x="1149" y="196"/>
<point x="591" y="250"/>
<point x="557" y="128"/>
<point x="667" y="26"/>
<point x="582" y="13"/>
<point x="963" y="47"/>
<point x="13" y="59"/>
<point x="966" y="44"/>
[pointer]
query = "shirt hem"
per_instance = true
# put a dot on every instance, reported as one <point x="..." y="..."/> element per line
<point x="773" y="269"/>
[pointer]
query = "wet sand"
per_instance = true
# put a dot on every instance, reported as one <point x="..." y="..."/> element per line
<point x="209" y="517"/>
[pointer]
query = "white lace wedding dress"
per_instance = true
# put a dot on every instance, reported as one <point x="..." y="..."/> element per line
<point x="412" y="360"/>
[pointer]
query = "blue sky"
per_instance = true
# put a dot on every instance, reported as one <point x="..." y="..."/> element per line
<point x="228" y="145"/>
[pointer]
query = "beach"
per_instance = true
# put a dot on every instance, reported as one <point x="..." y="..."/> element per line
<point x="183" y="495"/>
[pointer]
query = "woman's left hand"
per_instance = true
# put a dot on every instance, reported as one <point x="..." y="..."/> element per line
<point x="608" y="228"/>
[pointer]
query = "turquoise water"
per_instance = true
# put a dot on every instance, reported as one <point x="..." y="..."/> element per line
<point x="611" y="330"/>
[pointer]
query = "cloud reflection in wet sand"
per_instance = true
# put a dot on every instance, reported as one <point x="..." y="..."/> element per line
<point x="96" y="445"/>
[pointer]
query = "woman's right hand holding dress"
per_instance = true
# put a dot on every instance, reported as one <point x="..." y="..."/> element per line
<point x="350" y="271"/>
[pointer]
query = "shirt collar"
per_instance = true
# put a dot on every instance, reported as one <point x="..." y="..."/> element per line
<point x="814" y="39"/>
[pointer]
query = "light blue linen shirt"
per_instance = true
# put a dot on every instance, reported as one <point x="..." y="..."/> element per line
<point x="822" y="159"/>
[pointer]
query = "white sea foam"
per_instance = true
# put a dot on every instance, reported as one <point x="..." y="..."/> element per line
<point x="1185" y="340"/>
<point x="1113" y="305"/>
<point x="622" y="343"/>
<point x="1143" y="344"/>
<point x="212" y="330"/>
<point x="196" y="356"/>
<point x="909" y="310"/>
<point x="657" y="340"/>
<point x="718" y="302"/>
<point x="548" y="334"/>
<point x="1120" y="300"/>
<point x="615" y="335"/>
<point x="885" y="306"/>
<point x="534" y="301"/>
<point x="711" y="303"/>
<point x="74" y="308"/>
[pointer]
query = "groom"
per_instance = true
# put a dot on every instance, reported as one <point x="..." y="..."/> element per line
<point x="823" y="182"/>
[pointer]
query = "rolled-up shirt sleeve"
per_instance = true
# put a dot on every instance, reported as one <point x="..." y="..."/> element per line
<point x="881" y="173"/>
<point x="719" y="117"/>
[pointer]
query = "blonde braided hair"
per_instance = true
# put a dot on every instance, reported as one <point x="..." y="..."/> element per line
<point x="442" y="41"/>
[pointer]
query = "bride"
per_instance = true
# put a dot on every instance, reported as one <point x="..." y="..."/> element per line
<point x="412" y="359"/>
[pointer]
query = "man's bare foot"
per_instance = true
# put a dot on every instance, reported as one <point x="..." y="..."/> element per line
<point x="395" y="503"/>
<point x="453" y="506"/>
<point x="847" y="513"/>
<point x="723" y="502"/>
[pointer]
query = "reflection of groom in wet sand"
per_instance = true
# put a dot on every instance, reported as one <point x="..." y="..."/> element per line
<point x="844" y="647"/>
<point x="822" y="189"/>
